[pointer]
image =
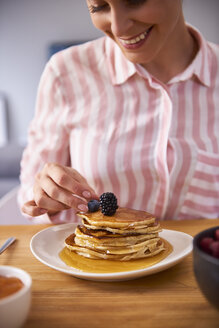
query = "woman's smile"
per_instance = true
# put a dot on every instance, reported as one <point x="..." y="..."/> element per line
<point x="143" y="30"/>
<point x="136" y="41"/>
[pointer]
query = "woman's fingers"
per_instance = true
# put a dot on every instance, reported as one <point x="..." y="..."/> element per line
<point x="58" y="188"/>
<point x="31" y="208"/>
<point x="43" y="200"/>
<point x="52" y="197"/>
<point x="70" y="180"/>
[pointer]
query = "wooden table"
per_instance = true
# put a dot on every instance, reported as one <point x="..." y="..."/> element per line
<point x="167" y="299"/>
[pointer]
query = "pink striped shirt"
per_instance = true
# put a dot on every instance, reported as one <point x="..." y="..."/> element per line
<point x="155" y="145"/>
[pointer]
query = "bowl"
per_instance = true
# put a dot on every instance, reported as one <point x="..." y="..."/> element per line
<point x="14" y="308"/>
<point x="206" y="268"/>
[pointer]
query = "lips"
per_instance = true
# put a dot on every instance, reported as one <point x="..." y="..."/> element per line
<point x="136" y="40"/>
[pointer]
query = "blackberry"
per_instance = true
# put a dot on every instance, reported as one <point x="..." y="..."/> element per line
<point x="108" y="203"/>
<point x="93" y="205"/>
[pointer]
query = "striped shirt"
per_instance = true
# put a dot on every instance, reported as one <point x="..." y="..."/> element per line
<point x="154" y="145"/>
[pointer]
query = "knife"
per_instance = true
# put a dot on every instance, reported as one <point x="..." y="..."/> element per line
<point x="8" y="242"/>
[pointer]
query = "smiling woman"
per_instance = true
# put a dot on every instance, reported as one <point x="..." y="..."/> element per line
<point x="149" y="32"/>
<point x="133" y="113"/>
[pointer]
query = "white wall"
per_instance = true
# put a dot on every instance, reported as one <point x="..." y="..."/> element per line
<point x="27" y="27"/>
<point x="204" y="15"/>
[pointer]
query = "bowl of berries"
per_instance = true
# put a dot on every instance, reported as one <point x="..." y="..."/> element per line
<point x="206" y="263"/>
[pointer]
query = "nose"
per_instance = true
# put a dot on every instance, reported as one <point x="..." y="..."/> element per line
<point x="121" y="22"/>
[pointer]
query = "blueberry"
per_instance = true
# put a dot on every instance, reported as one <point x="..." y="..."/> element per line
<point x="93" y="205"/>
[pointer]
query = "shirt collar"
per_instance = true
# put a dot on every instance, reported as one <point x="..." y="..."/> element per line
<point x="121" y="69"/>
<point x="200" y="67"/>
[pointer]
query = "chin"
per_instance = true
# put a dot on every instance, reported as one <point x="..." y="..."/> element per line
<point x="136" y="59"/>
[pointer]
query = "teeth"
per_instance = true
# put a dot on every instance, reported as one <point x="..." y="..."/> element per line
<point x="137" y="39"/>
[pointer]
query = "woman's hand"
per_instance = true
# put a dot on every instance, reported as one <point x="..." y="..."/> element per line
<point x="58" y="188"/>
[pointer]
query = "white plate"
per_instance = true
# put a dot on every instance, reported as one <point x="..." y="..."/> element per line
<point x="47" y="244"/>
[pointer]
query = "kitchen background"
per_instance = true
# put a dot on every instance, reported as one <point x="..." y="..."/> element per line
<point x="27" y="30"/>
<point x="29" y="27"/>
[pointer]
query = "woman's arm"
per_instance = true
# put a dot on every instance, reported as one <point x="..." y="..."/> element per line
<point x="48" y="183"/>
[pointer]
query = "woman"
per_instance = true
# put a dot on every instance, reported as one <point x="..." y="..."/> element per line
<point x="133" y="113"/>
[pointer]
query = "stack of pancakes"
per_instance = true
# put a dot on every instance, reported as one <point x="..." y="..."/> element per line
<point x="128" y="234"/>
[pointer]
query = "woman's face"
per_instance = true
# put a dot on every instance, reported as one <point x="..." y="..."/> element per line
<point x="143" y="29"/>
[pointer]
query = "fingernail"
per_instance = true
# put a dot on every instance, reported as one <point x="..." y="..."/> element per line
<point x="83" y="208"/>
<point x="86" y="194"/>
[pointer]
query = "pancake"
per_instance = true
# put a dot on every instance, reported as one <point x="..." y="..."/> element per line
<point x="128" y="234"/>
<point x="111" y="239"/>
<point x="124" y="218"/>
<point x="127" y="230"/>
<point x="92" y="253"/>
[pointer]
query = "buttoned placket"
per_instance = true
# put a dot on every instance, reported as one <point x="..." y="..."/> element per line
<point x="161" y="162"/>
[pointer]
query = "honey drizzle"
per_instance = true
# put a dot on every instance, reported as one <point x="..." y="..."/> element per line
<point x="108" y="266"/>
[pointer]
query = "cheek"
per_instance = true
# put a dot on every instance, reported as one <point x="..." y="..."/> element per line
<point x="166" y="20"/>
<point x="100" y="23"/>
<point x="160" y="12"/>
